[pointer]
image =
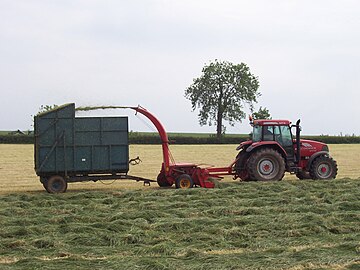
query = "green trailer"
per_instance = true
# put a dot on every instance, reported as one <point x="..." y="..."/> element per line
<point x="74" y="149"/>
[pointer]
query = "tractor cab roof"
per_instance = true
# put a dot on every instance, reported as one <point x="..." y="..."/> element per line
<point x="268" y="122"/>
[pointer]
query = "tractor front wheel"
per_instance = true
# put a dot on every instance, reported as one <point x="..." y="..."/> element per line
<point x="184" y="181"/>
<point x="323" y="168"/>
<point x="55" y="184"/>
<point x="266" y="165"/>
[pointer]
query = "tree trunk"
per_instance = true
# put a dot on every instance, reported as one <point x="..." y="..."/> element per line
<point x="219" y="115"/>
<point x="219" y="126"/>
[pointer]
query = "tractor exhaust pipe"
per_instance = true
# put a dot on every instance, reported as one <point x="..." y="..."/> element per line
<point x="298" y="129"/>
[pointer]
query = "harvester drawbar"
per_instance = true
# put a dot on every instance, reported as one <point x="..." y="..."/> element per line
<point x="74" y="149"/>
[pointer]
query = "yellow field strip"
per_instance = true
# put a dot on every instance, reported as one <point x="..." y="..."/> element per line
<point x="17" y="165"/>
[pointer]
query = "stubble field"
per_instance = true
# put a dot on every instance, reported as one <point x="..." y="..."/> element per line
<point x="281" y="225"/>
<point x="17" y="165"/>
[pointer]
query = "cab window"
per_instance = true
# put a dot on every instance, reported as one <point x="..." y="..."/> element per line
<point x="268" y="133"/>
<point x="277" y="133"/>
<point x="257" y="133"/>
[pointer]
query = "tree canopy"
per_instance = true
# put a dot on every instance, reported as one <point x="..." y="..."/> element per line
<point x="221" y="93"/>
<point x="262" y="113"/>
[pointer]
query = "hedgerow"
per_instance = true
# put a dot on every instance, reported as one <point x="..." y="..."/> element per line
<point x="152" y="138"/>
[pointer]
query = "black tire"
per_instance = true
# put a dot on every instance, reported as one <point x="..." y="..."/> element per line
<point x="161" y="180"/>
<point x="323" y="168"/>
<point x="43" y="181"/>
<point x="266" y="165"/>
<point x="302" y="175"/>
<point x="184" y="181"/>
<point x="45" y="186"/>
<point x="240" y="166"/>
<point x="56" y="184"/>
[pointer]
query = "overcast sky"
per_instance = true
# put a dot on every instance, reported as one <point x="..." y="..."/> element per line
<point x="105" y="52"/>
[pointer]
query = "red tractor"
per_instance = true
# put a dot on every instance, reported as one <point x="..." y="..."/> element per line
<point x="273" y="150"/>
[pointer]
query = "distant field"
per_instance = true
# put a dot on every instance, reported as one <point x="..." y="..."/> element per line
<point x="195" y="135"/>
<point x="155" y="134"/>
<point x="17" y="165"/>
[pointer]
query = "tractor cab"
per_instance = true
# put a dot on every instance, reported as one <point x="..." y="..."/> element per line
<point x="268" y="130"/>
<point x="278" y="131"/>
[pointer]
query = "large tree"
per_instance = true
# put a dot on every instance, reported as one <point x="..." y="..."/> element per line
<point x="221" y="93"/>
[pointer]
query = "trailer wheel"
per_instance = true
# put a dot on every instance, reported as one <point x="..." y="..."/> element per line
<point x="184" y="181"/>
<point x="45" y="186"/>
<point x="323" y="168"/>
<point x="56" y="184"/>
<point x="266" y="165"/>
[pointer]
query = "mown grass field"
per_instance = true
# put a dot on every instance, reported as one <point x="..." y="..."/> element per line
<point x="282" y="225"/>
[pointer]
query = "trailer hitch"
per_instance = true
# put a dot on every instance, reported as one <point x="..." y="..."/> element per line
<point x="135" y="161"/>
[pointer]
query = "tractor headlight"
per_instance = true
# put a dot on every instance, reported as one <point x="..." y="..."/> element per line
<point x="325" y="148"/>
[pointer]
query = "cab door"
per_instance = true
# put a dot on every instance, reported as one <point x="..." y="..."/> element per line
<point x="282" y="135"/>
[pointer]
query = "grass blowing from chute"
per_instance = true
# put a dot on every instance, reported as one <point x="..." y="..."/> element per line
<point x="93" y="108"/>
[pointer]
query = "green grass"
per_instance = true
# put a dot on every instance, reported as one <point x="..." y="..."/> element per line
<point x="282" y="225"/>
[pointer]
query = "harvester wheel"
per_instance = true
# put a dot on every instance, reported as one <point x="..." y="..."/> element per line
<point x="55" y="184"/>
<point x="323" y="168"/>
<point x="161" y="180"/>
<point x="184" y="181"/>
<point x="266" y="165"/>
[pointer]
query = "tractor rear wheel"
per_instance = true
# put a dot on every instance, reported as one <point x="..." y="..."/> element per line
<point x="266" y="165"/>
<point x="184" y="181"/>
<point x="323" y="168"/>
<point x="55" y="184"/>
<point x="240" y="166"/>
